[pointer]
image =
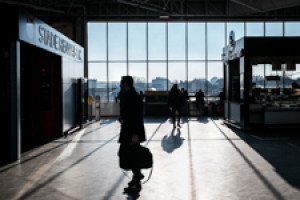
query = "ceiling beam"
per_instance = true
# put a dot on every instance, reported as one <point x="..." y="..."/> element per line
<point x="26" y="5"/>
<point x="137" y="5"/>
<point x="247" y="5"/>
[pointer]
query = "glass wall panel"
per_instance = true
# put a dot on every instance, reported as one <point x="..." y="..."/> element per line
<point x="292" y="76"/>
<point x="177" y="74"/>
<point x="139" y="73"/>
<point x="258" y="76"/>
<point x="215" y="40"/>
<point x="271" y="72"/>
<point x="157" y="76"/>
<point x="176" y="41"/>
<point x="97" y="41"/>
<point x="137" y="41"/>
<point x="215" y="78"/>
<point x="115" y="72"/>
<point x="292" y="28"/>
<point x="274" y="29"/>
<point x="196" y="76"/>
<point x="99" y="71"/>
<point x="196" y="41"/>
<point x="238" y="28"/>
<point x="157" y="41"/>
<point x="117" y="41"/>
<point x="254" y="29"/>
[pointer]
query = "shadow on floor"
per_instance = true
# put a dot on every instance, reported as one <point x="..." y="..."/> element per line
<point x="172" y="141"/>
<point x="156" y="120"/>
<point x="279" y="147"/>
<point x="108" y="120"/>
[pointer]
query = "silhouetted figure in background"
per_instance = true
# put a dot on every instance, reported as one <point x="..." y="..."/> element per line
<point x="295" y="86"/>
<point x="200" y="101"/>
<point x="142" y="95"/>
<point x="132" y="125"/>
<point x="221" y="102"/>
<point x="175" y="101"/>
<point x="185" y="94"/>
<point x="185" y="101"/>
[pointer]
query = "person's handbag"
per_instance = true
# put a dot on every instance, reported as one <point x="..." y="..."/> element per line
<point x="136" y="157"/>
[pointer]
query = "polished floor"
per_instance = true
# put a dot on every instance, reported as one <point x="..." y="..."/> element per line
<point x="204" y="159"/>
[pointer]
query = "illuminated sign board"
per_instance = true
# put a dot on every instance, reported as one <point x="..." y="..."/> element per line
<point x="53" y="40"/>
<point x="36" y="32"/>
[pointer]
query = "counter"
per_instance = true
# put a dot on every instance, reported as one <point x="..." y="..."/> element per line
<point x="274" y="114"/>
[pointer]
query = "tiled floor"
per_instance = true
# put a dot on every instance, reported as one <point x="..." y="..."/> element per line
<point x="204" y="159"/>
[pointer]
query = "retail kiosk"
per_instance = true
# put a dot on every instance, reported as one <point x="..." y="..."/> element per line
<point x="261" y="80"/>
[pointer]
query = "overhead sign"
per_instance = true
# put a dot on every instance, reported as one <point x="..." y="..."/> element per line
<point x="38" y="33"/>
<point x="50" y="39"/>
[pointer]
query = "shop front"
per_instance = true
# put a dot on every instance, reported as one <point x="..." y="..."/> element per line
<point x="40" y="68"/>
<point x="262" y="81"/>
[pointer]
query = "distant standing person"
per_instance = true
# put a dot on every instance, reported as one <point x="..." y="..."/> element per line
<point x="142" y="95"/>
<point x="200" y="101"/>
<point x="185" y="101"/>
<point x="175" y="101"/>
<point x="185" y="94"/>
<point x="221" y="104"/>
<point x="132" y="125"/>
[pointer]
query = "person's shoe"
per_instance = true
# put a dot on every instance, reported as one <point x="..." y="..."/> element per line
<point x="136" y="179"/>
<point x="140" y="176"/>
<point x="135" y="189"/>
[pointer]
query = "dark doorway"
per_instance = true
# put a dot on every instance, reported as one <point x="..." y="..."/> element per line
<point x="41" y="97"/>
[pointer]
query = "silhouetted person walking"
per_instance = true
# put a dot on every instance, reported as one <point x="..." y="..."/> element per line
<point x="200" y="101"/>
<point x="175" y="101"/>
<point x="132" y="124"/>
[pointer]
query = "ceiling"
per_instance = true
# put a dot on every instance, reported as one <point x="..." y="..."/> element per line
<point x="153" y="9"/>
<point x="70" y="16"/>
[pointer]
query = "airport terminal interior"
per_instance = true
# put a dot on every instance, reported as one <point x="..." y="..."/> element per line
<point x="234" y="135"/>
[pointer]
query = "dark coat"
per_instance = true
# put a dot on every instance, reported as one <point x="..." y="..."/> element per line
<point x="200" y="97"/>
<point x="132" y="117"/>
<point x="175" y="98"/>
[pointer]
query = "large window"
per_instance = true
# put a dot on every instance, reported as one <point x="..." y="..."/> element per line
<point x="292" y="28"/>
<point x="196" y="76"/>
<point x="157" y="41"/>
<point x="292" y="76"/>
<point x="215" y="40"/>
<point x="271" y="71"/>
<point x="115" y="72"/>
<point x="177" y="74"/>
<point x="258" y="76"/>
<point x="274" y="28"/>
<point x="214" y="78"/>
<point x="196" y="41"/>
<point x="157" y="77"/>
<point x="98" y="71"/>
<point x="159" y="54"/>
<point x="137" y="41"/>
<point x="117" y="41"/>
<point x="97" y="41"/>
<point x="255" y="29"/>
<point x="176" y="41"/>
<point x="139" y="73"/>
